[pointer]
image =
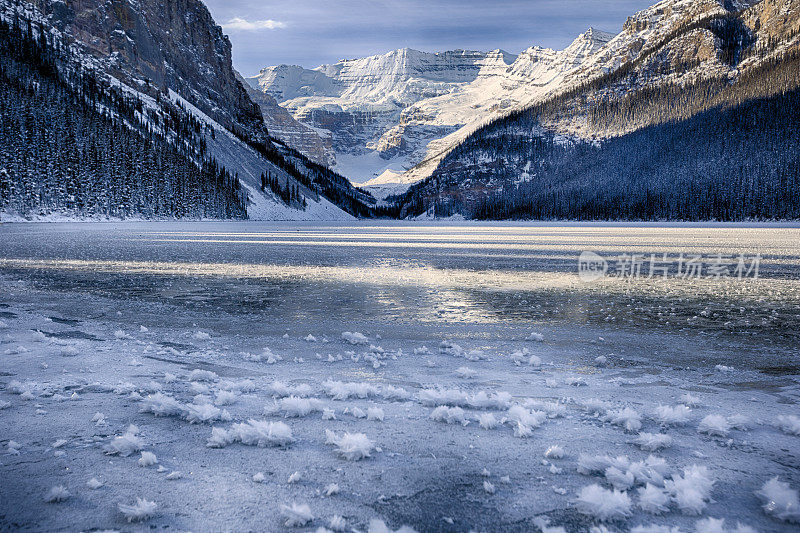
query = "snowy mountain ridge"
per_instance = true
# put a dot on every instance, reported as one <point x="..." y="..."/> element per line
<point x="393" y="116"/>
<point x="383" y="110"/>
<point x="612" y="141"/>
<point x="164" y="54"/>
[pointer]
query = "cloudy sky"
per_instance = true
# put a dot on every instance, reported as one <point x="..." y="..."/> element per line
<point x="313" y="32"/>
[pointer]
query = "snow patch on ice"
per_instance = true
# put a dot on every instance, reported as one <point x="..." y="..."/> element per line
<point x="603" y="504"/>
<point x="351" y="446"/>
<point x="780" y="501"/>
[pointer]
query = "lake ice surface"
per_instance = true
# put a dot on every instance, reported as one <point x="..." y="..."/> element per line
<point x="463" y="352"/>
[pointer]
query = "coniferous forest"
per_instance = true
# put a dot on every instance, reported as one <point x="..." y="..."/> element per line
<point x="710" y="150"/>
<point x="71" y="144"/>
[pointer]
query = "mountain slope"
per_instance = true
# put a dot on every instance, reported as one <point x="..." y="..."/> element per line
<point x="387" y="112"/>
<point x="73" y="146"/>
<point x="174" y="58"/>
<point x="712" y="58"/>
<point x="393" y="117"/>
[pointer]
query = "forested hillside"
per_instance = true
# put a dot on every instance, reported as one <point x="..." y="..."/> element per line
<point x="658" y="138"/>
<point x="75" y="146"/>
<point x="132" y="108"/>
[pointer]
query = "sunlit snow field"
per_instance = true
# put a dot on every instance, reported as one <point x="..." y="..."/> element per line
<point x="445" y="377"/>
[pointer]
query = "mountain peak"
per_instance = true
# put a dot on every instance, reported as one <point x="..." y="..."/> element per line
<point x="594" y="35"/>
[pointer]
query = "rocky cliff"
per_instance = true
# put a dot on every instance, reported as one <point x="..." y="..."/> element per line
<point x="175" y="45"/>
<point x="175" y="58"/>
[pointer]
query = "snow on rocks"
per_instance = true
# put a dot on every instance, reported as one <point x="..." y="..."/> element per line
<point x="350" y="446"/>
<point x="456" y="398"/>
<point x="342" y="391"/>
<point x="375" y="413"/>
<point x="653" y="499"/>
<point x="379" y="526"/>
<point x="652" y="442"/>
<point x="789" y="424"/>
<point x="355" y="338"/>
<point x="449" y="415"/>
<point x="203" y="375"/>
<point x="714" y="425"/>
<point x="94" y="483"/>
<point x="555" y="452"/>
<point x="281" y="389"/>
<point x="603" y="504"/>
<point x="626" y="418"/>
<point x="487" y="421"/>
<point x="780" y="501"/>
<point x="331" y="489"/>
<point x="225" y="397"/>
<point x="691" y="400"/>
<point x="57" y="494"/>
<point x="717" y="525"/>
<point x="692" y="490"/>
<point x="465" y="372"/>
<point x="535" y="337"/>
<point x="201" y="336"/>
<point x="337" y="523"/>
<point x="125" y="444"/>
<point x="139" y="511"/>
<point x="489" y="487"/>
<point x="252" y="433"/>
<point x="148" y="459"/>
<point x="296" y="407"/>
<point x="672" y="415"/>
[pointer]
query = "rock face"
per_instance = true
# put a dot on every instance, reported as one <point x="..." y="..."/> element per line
<point x="672" y="62"/>
<point x="174" y="52"/>
<point x="283" y="126"/>
<point x="384" y="111"/>
<point x="393" y="117"/>
<point x="174" y="44"/>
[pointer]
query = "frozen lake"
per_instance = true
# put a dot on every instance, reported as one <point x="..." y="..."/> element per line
<point x="477" y="345"/>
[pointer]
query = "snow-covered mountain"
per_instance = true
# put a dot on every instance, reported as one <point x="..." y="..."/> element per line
<point x="393" y="117"/>
<point x="689" y="112"/>
<point x="174" y="61"/>
<point x="384" y="111"/>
